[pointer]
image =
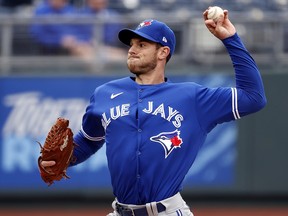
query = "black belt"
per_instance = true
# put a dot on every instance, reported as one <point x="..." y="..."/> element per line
<point x="123" y="210"/>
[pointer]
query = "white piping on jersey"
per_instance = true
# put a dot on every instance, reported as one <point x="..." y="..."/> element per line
<point x="235" y="104"/>
<point x="179" y="213"/>
<point x="91" y="138"/>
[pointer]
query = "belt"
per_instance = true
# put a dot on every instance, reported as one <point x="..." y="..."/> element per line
<point x="124" y="210"/>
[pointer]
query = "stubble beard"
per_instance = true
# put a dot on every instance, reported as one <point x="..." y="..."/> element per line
<point x="139" y="68"/>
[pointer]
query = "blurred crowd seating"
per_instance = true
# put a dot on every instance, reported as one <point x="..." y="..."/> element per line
<point x="263" y="25"/>
<point x="127" y="6"/>
<point x="238" y="5"/>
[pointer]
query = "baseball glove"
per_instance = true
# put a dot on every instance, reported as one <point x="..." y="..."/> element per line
<point x="58" y="147"/>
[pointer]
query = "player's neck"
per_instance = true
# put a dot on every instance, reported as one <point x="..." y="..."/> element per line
<point x="144" y="79"/>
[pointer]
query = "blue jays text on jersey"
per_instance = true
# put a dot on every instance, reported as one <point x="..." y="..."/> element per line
<point x="154" y="132"/>
<point x="170" y="115"/>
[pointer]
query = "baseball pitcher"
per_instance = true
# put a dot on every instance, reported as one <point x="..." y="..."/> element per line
<point x="153" y="128"/>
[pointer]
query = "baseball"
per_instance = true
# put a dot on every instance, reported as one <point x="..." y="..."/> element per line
<point x="214" y="13"/>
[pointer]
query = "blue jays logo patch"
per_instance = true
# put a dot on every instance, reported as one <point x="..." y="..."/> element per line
<point x="145" y="23"/>
<point x="169" y="141"/>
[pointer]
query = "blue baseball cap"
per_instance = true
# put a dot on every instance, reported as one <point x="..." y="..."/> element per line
<point x="151" y="30"/>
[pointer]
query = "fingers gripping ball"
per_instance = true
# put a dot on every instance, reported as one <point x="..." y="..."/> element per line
<point x="58" y="147"/>
<point x="214" y="13"/>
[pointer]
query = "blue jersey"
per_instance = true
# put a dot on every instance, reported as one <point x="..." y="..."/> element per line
<point x="154" y="132"/>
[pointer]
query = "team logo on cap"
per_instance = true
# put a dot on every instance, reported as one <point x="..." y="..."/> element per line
<point x="168" y="140"/>
<point x="145" y="23"/>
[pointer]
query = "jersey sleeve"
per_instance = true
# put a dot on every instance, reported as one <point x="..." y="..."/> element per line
<point x="91" y="136"/>
<point x="223" y="104"/>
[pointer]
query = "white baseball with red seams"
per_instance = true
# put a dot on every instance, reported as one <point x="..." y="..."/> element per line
<point x="214" y="13"/>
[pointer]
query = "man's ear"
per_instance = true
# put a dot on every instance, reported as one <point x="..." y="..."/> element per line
<point x="164" y="52"/>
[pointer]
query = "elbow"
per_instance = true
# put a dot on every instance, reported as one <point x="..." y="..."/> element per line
<point x="258" y="103"/>
<point x="252" y="103"/>
<point x="261" y="103"/>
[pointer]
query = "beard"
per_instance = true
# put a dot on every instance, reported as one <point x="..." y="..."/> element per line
<point x="138" y="66"/>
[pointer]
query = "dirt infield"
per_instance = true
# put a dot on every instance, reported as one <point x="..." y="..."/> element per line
<point x="200" y="211"/>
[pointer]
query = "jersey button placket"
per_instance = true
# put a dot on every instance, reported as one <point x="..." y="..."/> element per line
<point x="140" y="95"/>
<point x="138" y="152"/>
<point x="139" y="105"/>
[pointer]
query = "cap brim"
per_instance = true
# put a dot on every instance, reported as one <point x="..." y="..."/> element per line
<point x="125" y="36"/>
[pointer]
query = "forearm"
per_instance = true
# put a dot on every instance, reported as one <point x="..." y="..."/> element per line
<point x="84" y="148"/>
<point x="249" y="83"/>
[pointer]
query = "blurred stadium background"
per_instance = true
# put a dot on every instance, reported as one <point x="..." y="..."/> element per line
<point x="242" y="169"/>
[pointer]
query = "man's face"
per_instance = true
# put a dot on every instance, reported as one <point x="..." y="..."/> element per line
<point x="142" y="56"/>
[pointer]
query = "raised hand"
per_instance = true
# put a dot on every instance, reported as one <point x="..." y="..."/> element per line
<point x="221" y="29"/>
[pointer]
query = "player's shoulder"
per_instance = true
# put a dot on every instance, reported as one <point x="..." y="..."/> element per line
<point x="115" y="83"/>
<point x="185" y="89"/>
<point x="180" y="85"/>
